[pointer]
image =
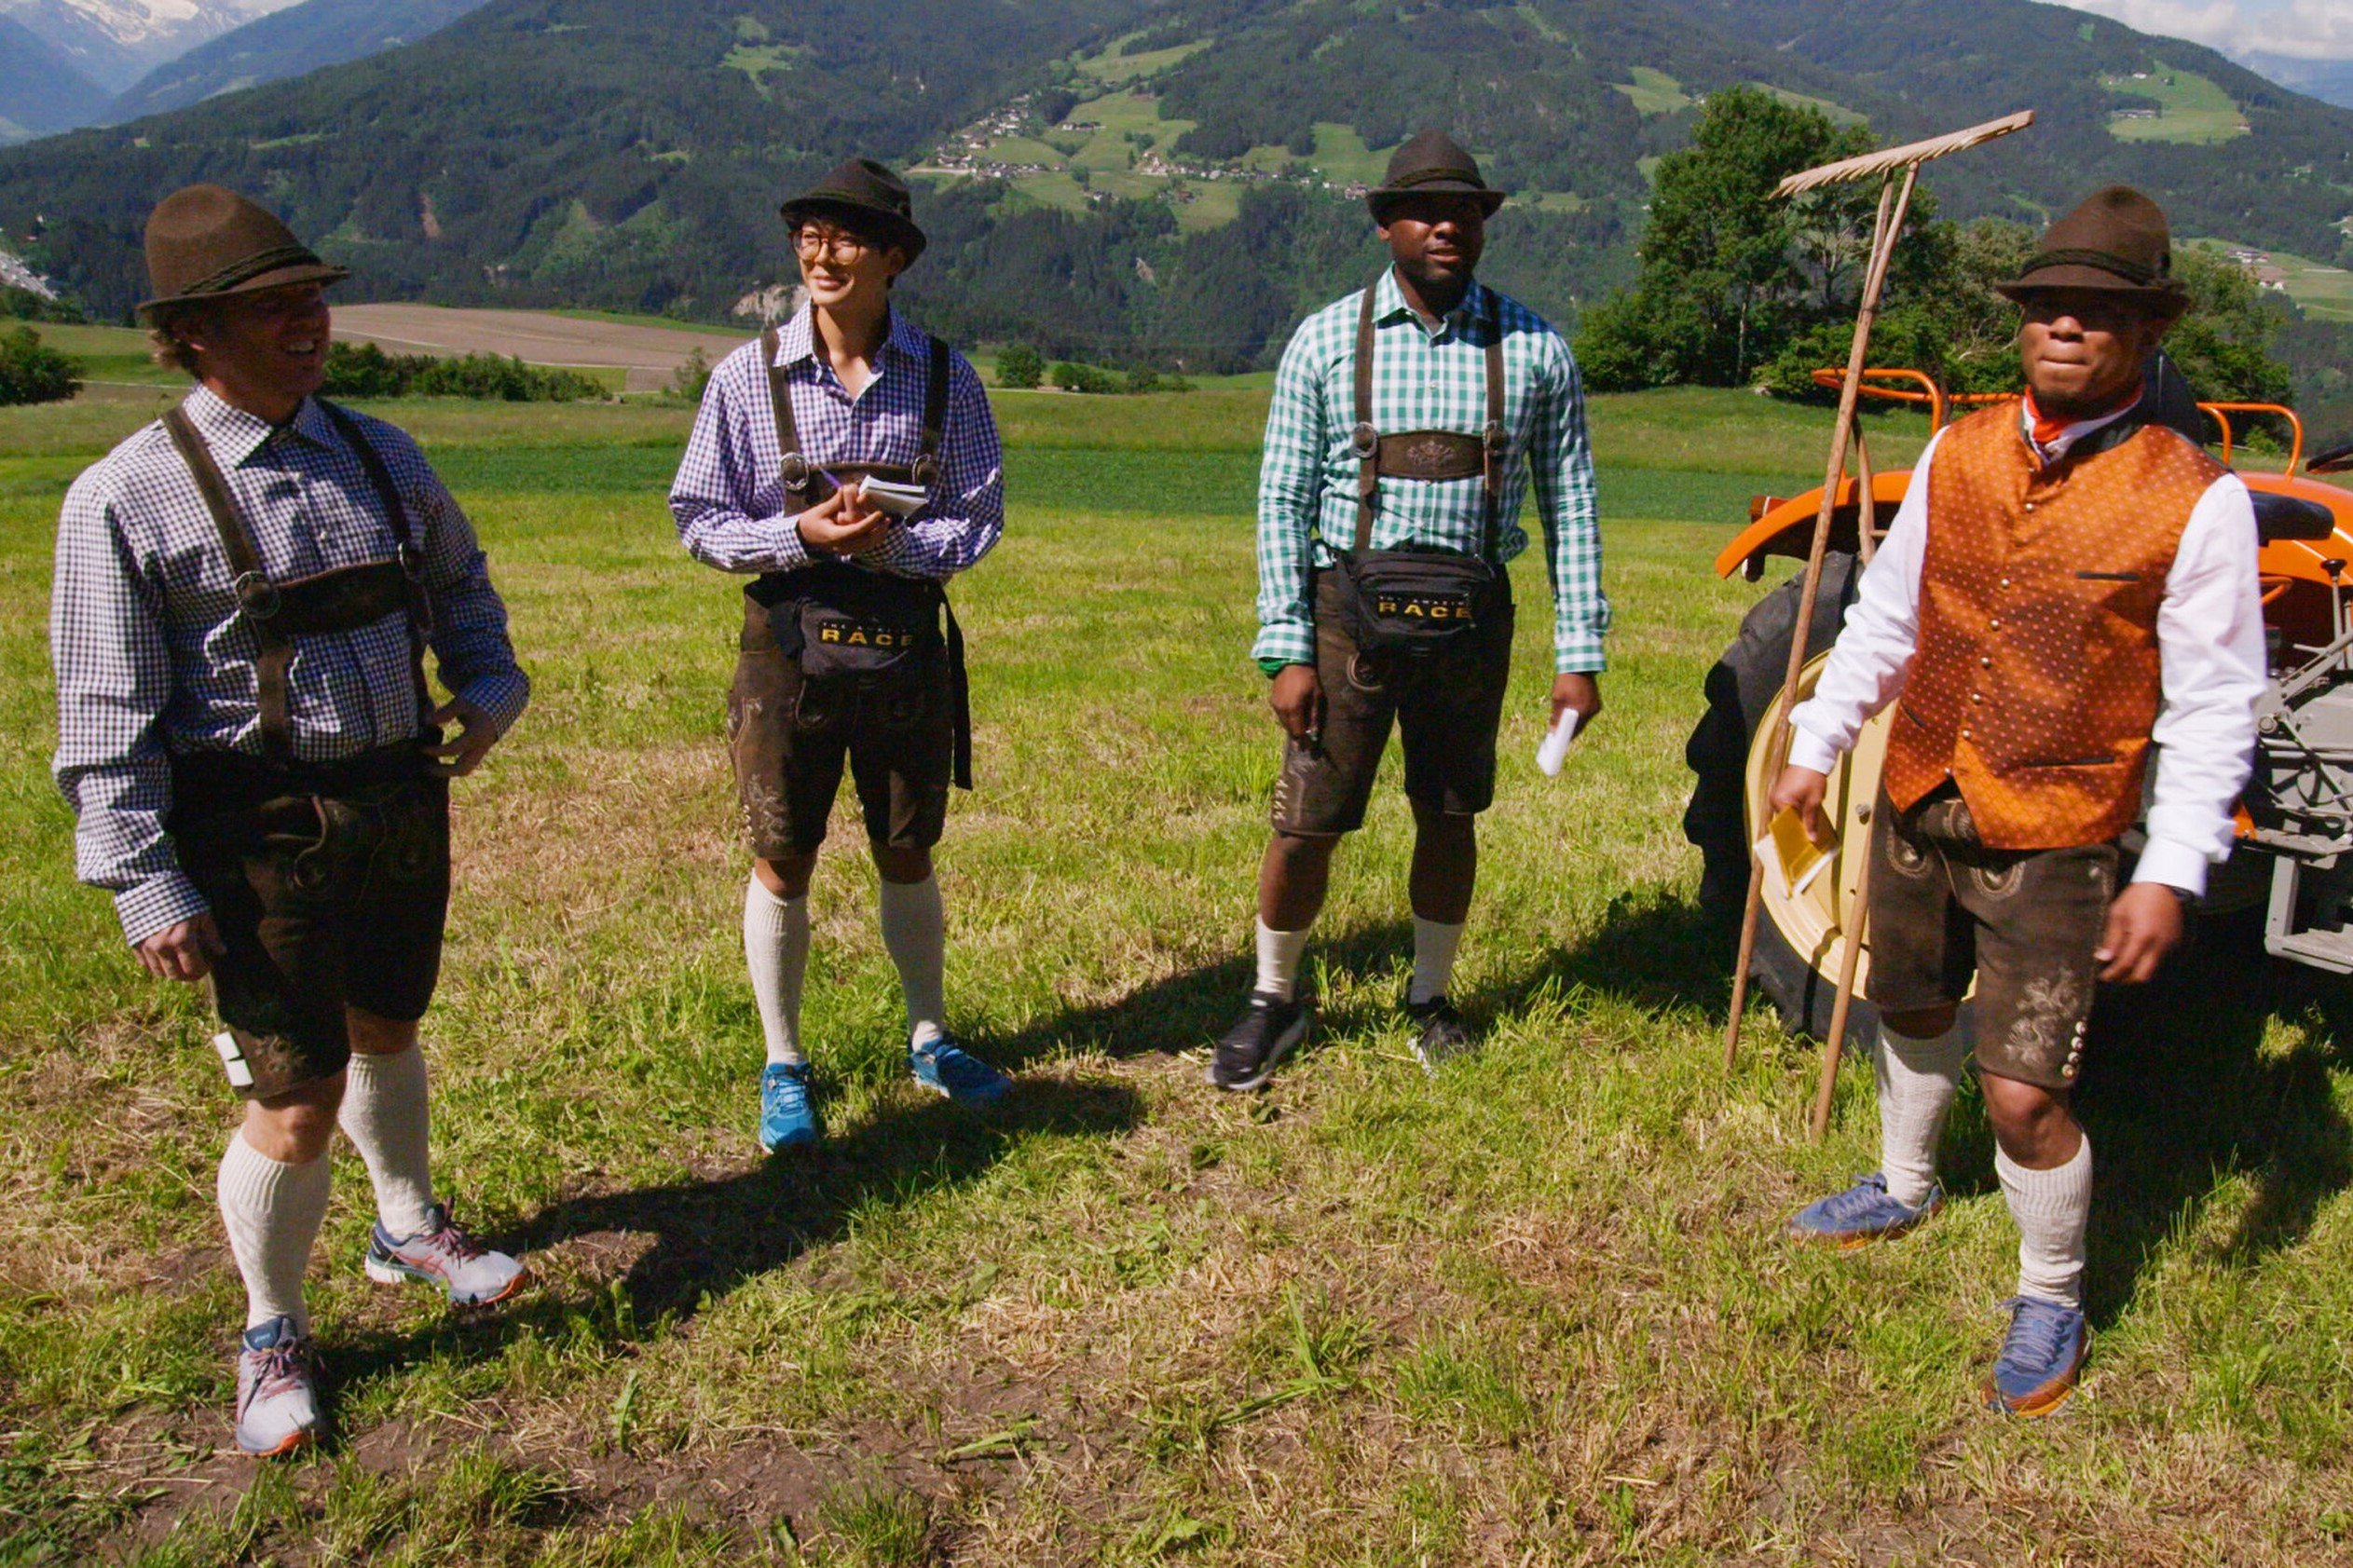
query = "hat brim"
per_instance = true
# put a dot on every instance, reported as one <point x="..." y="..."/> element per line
<point x="895" y="230"/>
<point x="1384" y="197"/>
<point x="2077" y="274"/>
<point x="280" y="278"/>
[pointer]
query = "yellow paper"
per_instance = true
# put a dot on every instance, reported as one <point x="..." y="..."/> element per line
<point x="1792" y="857"/>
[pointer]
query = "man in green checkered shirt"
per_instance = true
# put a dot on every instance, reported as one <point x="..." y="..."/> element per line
<point x="1431" y="475"/>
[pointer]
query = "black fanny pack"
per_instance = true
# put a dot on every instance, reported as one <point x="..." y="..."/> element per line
<point x="841" y="622"/>
<point x="1416" y="599"/>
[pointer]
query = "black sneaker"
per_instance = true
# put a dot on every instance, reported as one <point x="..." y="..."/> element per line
<point x="1258" y="1038"/>
<point x="1443" y="1034"/>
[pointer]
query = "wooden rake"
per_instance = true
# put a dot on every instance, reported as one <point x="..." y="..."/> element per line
<point x="1897" y="169"/>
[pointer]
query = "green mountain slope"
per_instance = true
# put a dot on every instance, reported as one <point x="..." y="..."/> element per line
<point x="1111" y="178"/>
<point x="289" y="43"/>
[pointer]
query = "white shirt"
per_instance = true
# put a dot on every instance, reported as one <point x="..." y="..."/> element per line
<point x="2210" y="654"/>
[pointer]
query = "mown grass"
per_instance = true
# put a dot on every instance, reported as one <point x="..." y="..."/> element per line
<point x="2191" y="109"/>
<point x="1534" y="1311"/>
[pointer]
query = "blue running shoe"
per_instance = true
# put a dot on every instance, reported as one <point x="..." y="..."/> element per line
<point x="943" y="1065"/>
<point x="2040" y="1357"/>
<point x="787" y="1119"/>
<point x="1862" y="1214"/>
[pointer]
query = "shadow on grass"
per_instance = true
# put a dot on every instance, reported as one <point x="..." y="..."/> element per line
<point x="1189" y="1010"/>
<point x="2180" y="1096"/>
<point x="711" y="1235"/>
<point x="1651" y="948"/>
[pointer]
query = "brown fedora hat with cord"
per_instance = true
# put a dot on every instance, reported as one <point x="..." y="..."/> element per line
<point x="1430" y="164"/>
<point x="207" y="242"/>
<point x="2116" y="243"/>
<point x="869" y="194"/>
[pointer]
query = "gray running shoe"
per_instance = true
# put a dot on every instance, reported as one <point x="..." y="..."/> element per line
<point x="442" y="1254"/>
<point x="277" y="1393"/>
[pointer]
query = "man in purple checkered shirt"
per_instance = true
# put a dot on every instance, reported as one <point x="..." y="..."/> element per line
<point x="245" y="593"/>
<point x="852" y="462"/>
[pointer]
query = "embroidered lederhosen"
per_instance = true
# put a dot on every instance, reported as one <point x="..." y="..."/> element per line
<point x="327" y="881"/>
<point x="844" y="625"/>
<point x="1417" y="598"/>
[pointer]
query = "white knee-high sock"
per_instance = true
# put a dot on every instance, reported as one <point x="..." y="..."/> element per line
<point x="2052" y="1208"/>
<point x="915" y="932"/>
<point x="385" y="1116"/>
<point x="776" y="951"/>
<point x="1434" y="947"/>
<point x="1917" y="1081"/>
<point x="272" y="1212"/>
<point x="1279" y="960"/>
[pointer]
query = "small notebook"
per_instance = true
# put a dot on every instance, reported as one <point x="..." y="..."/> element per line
<point x="898" y="500"/>
<point x="1790" y="857"/>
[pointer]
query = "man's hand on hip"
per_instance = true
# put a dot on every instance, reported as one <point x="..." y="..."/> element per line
<point x="1297" y="699"/>
<point x="1801" y="790"/>
<point x="184" y="951"/>
<point x="1576" y="691"/>
<point x="2144" y="924"/>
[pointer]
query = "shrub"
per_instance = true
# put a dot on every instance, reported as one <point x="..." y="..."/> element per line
<point x="1083" y="378"/>
<point x="366" y="370"/>
<point x="1020" y="366"/>
<point x="23" y="304"/>
<point x="692" y="376"/>
<point x="30" y="372"/>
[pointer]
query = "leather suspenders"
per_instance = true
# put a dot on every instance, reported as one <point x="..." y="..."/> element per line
<point x="344" y="599"/>
<point x="805" y="483"/>
<point x="1429" y="453"/>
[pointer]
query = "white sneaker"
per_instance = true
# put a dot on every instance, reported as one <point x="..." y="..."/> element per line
<point x="277" y="1398"/>
<point x="444" y="1255"/>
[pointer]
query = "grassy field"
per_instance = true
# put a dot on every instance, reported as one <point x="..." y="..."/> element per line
<point x="1536" y="1312"/>
<point x="1654" y="91"/>
<point x="2190" y="109"/>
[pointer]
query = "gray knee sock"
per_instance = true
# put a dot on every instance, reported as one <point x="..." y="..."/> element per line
<point x="1917" y="1081"/>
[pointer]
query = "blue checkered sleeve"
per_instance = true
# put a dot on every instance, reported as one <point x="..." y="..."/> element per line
<point x="1561" y="469"/>
<point x="114" y="682"/>
<point x="728" y="499"/>
<point x="966" y="516"/>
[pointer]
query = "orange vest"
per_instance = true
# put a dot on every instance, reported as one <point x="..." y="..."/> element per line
<point x="2034" y="681"/>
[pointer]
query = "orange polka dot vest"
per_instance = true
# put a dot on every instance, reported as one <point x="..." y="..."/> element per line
<point x="2034" y="682"/>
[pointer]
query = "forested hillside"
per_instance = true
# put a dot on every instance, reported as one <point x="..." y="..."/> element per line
<point x="289" y="43"/>
<point x="1126" y="178"/>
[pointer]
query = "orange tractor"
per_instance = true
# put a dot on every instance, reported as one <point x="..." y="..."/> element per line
<point x="2295" y="822"/>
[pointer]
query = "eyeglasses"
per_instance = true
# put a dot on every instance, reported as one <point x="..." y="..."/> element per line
<point x="813" y="244"/>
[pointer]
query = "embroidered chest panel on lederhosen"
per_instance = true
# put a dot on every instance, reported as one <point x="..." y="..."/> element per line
<point x="2036" y="681"/>
<point x="343" y="599"/>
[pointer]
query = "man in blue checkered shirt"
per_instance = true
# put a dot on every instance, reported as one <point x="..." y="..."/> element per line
<point x="245" y="593"/>
<point x="849" y="459"/>
<point x="1407" y="424"/>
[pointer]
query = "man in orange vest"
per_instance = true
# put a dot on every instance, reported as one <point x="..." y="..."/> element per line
<point x="2066" y="584"/>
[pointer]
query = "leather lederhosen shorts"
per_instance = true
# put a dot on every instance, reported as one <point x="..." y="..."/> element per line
<point x="789" y="738"/>
<point x="330" y="883"/>
<point x="1446" y="707"/>
<point x="2024" y="922"/>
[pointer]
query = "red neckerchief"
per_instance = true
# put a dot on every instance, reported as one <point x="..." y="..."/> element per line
<point x="2044" y="430"/>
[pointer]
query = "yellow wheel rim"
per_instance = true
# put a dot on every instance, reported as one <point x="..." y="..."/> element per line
<point x="1815" y="923"/>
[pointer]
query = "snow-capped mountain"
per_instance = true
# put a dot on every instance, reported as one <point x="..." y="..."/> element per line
<point x="116" y="42"/>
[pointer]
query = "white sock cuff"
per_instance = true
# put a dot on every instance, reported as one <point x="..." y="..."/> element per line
<point x="2052" y="1209"/>
<point x="761" y="892"/>
<point x="1279" y="954"/>
<point x="2046" y="1194"/>
<point x="272" y="1211"/>
<point x="1939" y="1055"/>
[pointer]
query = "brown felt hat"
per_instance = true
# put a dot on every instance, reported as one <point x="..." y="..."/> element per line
<point x="2117" y="241"/>
<point x="868" y="195"/>
<point x="1430" y="164"/>
<point x="207" y="241"/>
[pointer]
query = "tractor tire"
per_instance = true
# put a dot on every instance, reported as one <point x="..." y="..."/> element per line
<point x="1741" y="686"/>
<point x="1740" y="689"/>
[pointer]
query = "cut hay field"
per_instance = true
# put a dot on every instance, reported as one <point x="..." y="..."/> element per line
<point x="1537" y="1310"/>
